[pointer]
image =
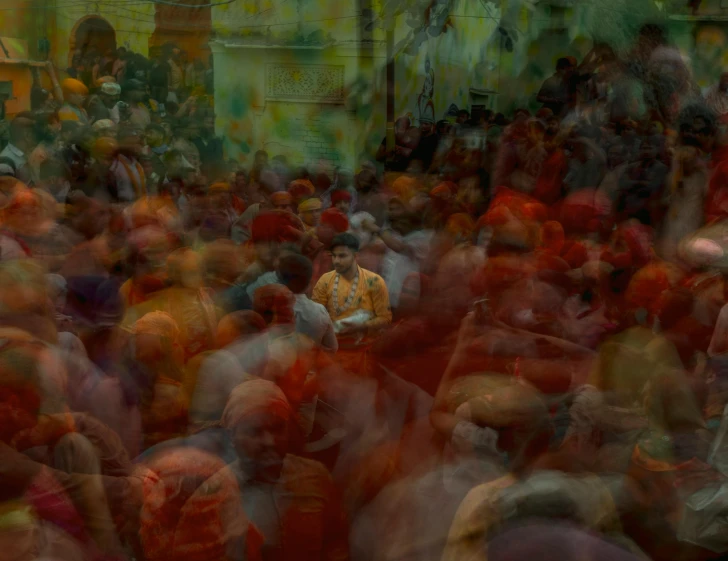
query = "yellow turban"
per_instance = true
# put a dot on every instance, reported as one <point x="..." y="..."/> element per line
<point x="71" y="86"/>
<point x="405" y="188"/>
<point x="310" y="205"/>
<point x="219" y="187"/>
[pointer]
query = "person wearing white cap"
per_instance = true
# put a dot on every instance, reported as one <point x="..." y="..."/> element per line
<point x="103" y="106"/>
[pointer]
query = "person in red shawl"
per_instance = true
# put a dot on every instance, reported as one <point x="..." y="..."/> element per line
<point x="191" y="511"/>
<point x="291" y="500"/>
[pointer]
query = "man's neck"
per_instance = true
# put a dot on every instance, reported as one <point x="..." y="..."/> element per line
<point x="351" y="273"/>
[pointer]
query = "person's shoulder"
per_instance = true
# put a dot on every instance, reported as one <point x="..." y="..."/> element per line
<point x="372" y="279"/>
<point x="307" y="472"/>
<point x="327" y="277"/>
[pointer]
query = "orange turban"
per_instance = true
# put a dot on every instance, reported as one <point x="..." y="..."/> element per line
<point x="405" y="188"/>
<point x="219" y="187"/>
<point x="301" y="189"/>
<point x="281" y="198"/>
<point x="445" y="190"/>
<point x="72" y="86"/>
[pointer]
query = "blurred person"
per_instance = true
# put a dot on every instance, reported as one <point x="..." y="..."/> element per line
<point x="642" y="186"/>
<point x="310" y="213"/>
<point x="312" y="319"/>
<point x="341" y="200"/>
<point x="192" y="510"/>
<point x="104" y="104"/>
<point x="408" y="244"/>
<point x="406" y="140"/>
<point x="282" y="201"/>
<point x="159" y="79"/>
<point x="684" y="201"/>
<point x="138" y="111"/>
<point x="310" y="524"/>
<point x="48" y="130"/>
<point x="75" y="94"/>
<point x="176" y="76"/>
<point x="22" y="143"/>
<point x="554" y="93"/>
<point x="184" y="133"/>
<point x="716" y="97"/>
<point x="131" y="182"/>
<point x="300" y="190"/>
<point x="209" y="147"/>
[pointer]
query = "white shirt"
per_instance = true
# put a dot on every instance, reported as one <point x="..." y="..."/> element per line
<point x="18" y="158"/>
<point x="396" y="267"/>
<point x="313" y="320"/>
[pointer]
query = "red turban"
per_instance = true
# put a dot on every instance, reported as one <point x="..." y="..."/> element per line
<point x="647" y="285"/>
<point x="336" y="219"/>
<point x="273" y="226"/>
<point x="340" y="195"/>
<point x="586" y="211"/>
<point x="275" y="303"/>
<point x="252" y="397"/>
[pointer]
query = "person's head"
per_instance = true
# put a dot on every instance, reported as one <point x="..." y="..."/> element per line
<point x="563" y="66"/>
<point x="427" y="127"/>
<point x="54" y="176"/>
<point x="341" y="200"/>
<point x="22" y="131"/>
<point x="110" y="93"/>
<point x="261" y="159"/>
<point x="156" y="338"/>
<point x="616" y="155"/>
<point x="443" y="128"/>
<point x="274" y="302"/>
<point x="238" y="326"/>
<point x="463" y="117"/>
<point x="194" y="496"/>
<point x="186" y="129"/>
<point x="258" y="418"/>
<point x="154" y="135"/>
<point x="310" y="211"/>
<point x="366" y="181"/>
<point x="207" y="126"/>
<point x="134" y="90"/>
<point x="648" y="152"/>
<point x="48" y="126"/>
<point x="131" y="140"/>
<point x="344" y="248"/>
<point x="75" y="92"/>
<point x="178" y="167"/>
<point x="295" y="272"/>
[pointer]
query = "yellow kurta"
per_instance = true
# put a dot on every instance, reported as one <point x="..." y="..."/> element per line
<point x="371" y="296"/>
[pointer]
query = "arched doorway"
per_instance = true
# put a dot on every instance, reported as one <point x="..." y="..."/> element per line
<point x="92" y="35"/>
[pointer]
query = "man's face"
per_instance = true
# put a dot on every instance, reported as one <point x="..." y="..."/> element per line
<point x="343" y="206"/>
<point x="154" y="138"/>
<point x="261" y="442"/>
<point x="427" y="129"/>
<point x="261" y="160"/>
<point x="208" y="125"/>
<point x="267" y="253"/>
<point x="109" y="100"/>
<point x="343" y="259"/>
<point x="311" y="217"/>
<point x="76" y="99"/>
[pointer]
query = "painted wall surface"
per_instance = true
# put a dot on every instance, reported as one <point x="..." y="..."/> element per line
<point x="307" y="131"/>
<point x="442" y="69"/>
<point x="133" y="25"/>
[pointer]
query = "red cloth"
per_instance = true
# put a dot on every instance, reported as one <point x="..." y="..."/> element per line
<point x="274" y="226"/>
<point x="335" y="219"/>
<point x="716" y="203"/>
<point x="340" y="195"/>
<point x="551" y="179"/>
<point x="584" y="212"/>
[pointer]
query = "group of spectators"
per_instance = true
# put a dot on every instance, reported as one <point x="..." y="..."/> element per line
<point x="503" y="338"/>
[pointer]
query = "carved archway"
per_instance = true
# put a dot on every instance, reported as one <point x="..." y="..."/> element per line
<point x="92" y="34"/>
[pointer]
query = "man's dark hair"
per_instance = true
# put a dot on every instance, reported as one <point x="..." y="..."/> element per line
<point x="345" y="240"/>
<point x="563" y="63"/>
<point x="295" y="272"/>
<point x="464" y="112"/>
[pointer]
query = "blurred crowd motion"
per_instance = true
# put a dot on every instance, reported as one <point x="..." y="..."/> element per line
<point x="500" y="338"/>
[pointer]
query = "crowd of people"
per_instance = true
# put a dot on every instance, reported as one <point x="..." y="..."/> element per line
<point x="502" y="337"/>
